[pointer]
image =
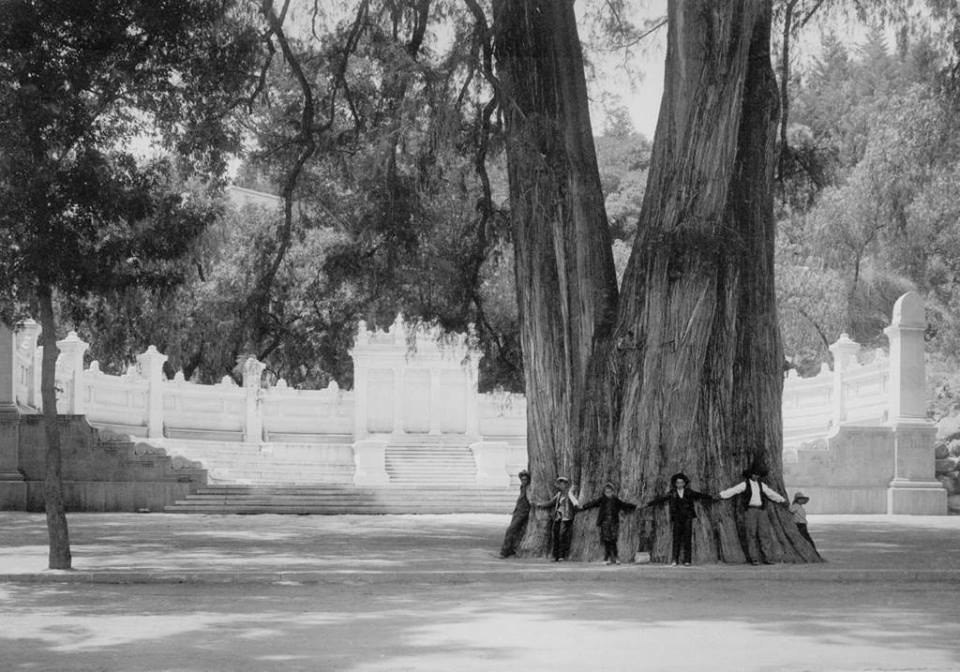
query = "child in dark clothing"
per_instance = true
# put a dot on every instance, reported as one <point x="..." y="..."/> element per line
<point x="518" y="522"/>
<point x="681" y="500"/>
<point x="608" y="520"/>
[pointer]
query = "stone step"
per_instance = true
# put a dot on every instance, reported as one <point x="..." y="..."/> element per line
<point x="331" y="500"/>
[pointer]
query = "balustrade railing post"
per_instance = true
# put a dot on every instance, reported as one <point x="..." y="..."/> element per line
<point x="150" y="365"/>
<point x="72" y="350"/>
<point x="844" y="351"/>
<point x="253" y="416"/>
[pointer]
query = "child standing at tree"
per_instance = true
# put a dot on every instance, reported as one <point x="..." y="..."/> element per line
<point x="680" y="500"/>
<point x="608" y="520"/>
<point x="564" y="504"/>
<point x="800" y="516"/>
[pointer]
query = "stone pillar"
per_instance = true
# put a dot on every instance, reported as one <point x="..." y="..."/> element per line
<point x="360" y="403"/>
<point x="398" y="424"/>
<point x="471" y="379"/>
<point x="914" y="489"/>
<point x="252" y="374"/>
<point x="72" y="350"/>
<point x="9" y="420"/>
<point x="434" y="400"/>
<point x="150" y="365"/>
<point x="29" y="330"/>
<point x="844" y="352"/>
<point x="370" y="462"/>
<point x="491" y="460"/>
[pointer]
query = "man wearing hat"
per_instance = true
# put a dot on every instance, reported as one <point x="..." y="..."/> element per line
<point x="680" y="501"/>
<point x="518" y="522"/>
<point x="564" y="504"/>
<point x="754" y="495"/>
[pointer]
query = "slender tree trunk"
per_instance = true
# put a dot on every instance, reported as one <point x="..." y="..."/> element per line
<point x="59" y="537"/>
<point x="566" y="284"/>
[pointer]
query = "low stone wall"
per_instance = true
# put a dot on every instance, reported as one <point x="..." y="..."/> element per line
<point x="866" y="469"/>
<point x="101" y="471"/>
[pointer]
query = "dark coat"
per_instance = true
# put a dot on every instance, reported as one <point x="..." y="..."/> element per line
<point x="608" y="517"/>
<point x="681" y="508"/>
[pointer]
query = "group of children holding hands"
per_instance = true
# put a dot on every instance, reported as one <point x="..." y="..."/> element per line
<point x="680" y="499"/>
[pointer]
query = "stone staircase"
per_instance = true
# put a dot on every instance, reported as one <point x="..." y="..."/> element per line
<point x="428" y="474"/>
<point x="430" y="461"/>
<point x="340" y="499"/>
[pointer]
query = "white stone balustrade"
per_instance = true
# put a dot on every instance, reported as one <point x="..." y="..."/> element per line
<point x="414" y="380"/>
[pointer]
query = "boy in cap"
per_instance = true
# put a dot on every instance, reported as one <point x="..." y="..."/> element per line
<point x="608" y="520"/>
<point x="754" y="495"/>
<point x="800" y="516"/>
<point x="680" y="501"/>
<point x="564" y="504"/>
<point x="518" y="522"/>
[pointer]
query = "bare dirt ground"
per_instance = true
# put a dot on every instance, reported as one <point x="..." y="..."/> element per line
<point x="164" y="593"/>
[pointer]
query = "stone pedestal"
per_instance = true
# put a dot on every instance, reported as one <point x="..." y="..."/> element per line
<point x="491" y="460"/>
<point x="913" y="489"/>
<point x="370" y="462"/>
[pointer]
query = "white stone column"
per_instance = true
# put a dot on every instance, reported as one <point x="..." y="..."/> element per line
<point x="9" y="415"/>
<point x="253" y="416"/>
<point x="360" y="403"/>
<point x="914" y="489"/>
<point x="434" y="397"/>
<point x="29" y="330"/>
<point x="72" y="350"/>
<point x="844" y="351"/>
<point x="150" y="365"/>
<point x="471" y="380"/>
<point x="398" y="420"/>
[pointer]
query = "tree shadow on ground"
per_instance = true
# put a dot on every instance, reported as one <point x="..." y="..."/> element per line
<point x="666" y="625"/>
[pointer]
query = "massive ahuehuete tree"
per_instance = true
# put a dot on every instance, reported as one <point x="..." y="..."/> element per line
<point x="681" y="369"/>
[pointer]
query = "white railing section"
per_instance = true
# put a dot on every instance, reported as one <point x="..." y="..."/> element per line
<point x="406" y="380"/>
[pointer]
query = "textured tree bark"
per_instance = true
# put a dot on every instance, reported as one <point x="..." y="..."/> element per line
<point x="690" y="376"/>
<point x="566" y="284"/>
<point x="59" y="537"/>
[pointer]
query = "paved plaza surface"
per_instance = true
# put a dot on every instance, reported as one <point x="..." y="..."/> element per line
<point x="162" y="592"/>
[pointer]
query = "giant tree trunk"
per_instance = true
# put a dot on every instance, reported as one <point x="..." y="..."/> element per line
<point x="691" y="378"/>
<point x="704" y="394"/>
<point x="59" y="537"/>
<point x="566" y="283"/>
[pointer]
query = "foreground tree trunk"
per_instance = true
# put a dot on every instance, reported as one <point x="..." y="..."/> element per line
<point x="686" y="373"/>
<point x="566" y="284"/>
<point x="59" y="537"/>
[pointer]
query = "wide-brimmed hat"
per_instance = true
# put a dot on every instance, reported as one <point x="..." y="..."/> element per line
<point x="755" y="468"/>
<point x="562" y="479"/>
<point x="676" y="477"/>
<point x="800" y="498"/>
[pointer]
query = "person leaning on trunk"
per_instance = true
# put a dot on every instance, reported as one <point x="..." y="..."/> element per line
<point x="754" y="495"/>
<point x="518" y="522"/>
<point x="608" y="520"/>
<point x="680" y="500"/>
<point x="564" y="504"/>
